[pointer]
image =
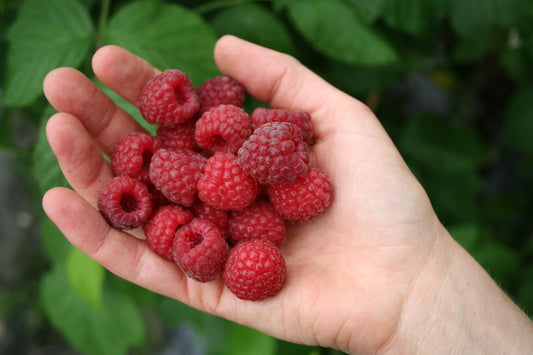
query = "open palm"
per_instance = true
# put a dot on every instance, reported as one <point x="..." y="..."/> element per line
<point x="348" y="271"/>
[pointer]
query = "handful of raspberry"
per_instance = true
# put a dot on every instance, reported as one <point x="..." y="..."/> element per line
<point x="214" y="188"/>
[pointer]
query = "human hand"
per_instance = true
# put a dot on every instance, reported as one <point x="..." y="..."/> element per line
<point x="350" y="271"/>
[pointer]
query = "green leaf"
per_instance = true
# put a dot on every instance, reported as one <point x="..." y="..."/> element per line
<point x="86" y="277"/>
<point x="167" y="36"/>
<point x="518" y="120"/>
<point x="132" y="110"/>
<point x="255" y="24"/>
<point x="368" y="10"/>
<point x="466" y="234"/>
<point x="442" y="146"/>
<point x="474" y="18"/>
<point x="45" y="165"/>
<point x="500" y="261"/>
<point x="332" y="28"/>
<point x="45" y="35"/>
<point x="454" y="196"/>
<point x="243" y="340"/>
<point x="405" y="15"/>
<point x="112" y="330"/>
<point x="56" y="246"/>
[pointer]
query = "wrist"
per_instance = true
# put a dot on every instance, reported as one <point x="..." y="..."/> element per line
<point x="454" y="306"/>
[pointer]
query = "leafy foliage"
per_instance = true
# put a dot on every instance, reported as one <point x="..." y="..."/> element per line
<point x="451" y="81"/>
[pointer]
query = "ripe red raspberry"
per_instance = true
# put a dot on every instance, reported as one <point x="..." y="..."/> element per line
<point x="179" y="136"/>
<point x="223" y="128"/>
<point x="219" y="217"/>
<point x="125" y="202"/>
<point x="199" y="250"/>
<point x="300" y="118"/>
<point x="132" y="154"/>
<point x="255" y="270"/>
<point x="304" y="198"/>
<point x="161" y="228"/>
<point x="258" y="221"/>
<point x="175" y="172"/>
<point x="275" y="153"/>
<point x="169" y="99"/>
<point x="225" y="185"/>
<point x="220" y="90"/>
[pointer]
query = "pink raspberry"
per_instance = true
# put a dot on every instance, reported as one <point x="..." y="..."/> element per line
<point x="175" y="172"/>
<point x="219" y="217"/>
<point x="304" y="198"/>
<point x="275" y="153"/>
<point x="300" y="118"/>
<point x="258" y="221"/>
<point x="220" y="90"/>
<point x="179" y="136"/>
<point x="132" y="154"/>
<point x="169" y="99"/>
<point x="199" y="250"/>
<point x="161" y="227"/>
<point x="125" y="202"/>
<point x="223" y="128"/>
<point x="225" y="185"/>
<point x="255" y="270"/>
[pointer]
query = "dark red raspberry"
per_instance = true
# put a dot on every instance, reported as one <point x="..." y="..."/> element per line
<point x="179" y="136"/>
<point x="275" y="153"/>
<point x="132" y="154"/>
<point x="223" y="128"/>
<point x="161" y="227"/>
<point x="125" y="202"/>
<point x="304" y="198"/>
<point x="169" y="99"/>
<point x="175" y="172"/>
<point x="199" y="250"/>
<point x="220" y="90"/>
<point x="258" y="221"/>
<point x="219" y="217"/>
<point x="302" y="119"/>
<point x="255" y="270"/>
<point x="225" y="185"/>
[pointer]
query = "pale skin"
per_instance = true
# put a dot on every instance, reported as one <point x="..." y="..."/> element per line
<point x="376" y="273"/>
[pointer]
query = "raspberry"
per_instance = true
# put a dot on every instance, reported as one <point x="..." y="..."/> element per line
<point x="255" y="270"/>
<point x="161" y="227"/>
<point x="275" y="153"/>
<point x="169" y="99"/>
<point x="125" y="202"/>
<point x="199" y="250"/>
<point x="132" y="154"/>
<point x="304" y="198"/>
<point x="175" y="172"/>
<point x="220" y="90"/>
<point x="219" y="217"/>
<point x="225" y="185"/>
<point x="223" y="128"/>
<point x="179" y="136"/>
<point x="258" y="221"/>
<point x="300" y="118"/>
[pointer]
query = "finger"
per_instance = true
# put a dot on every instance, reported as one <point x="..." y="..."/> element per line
<point x="122" y="71"/>
<point x="78" y="155"/>
<point x="80" y="158"/>
<point x="70" y="91"/>
<point x="127" y="257"/>
<point x="281" y="81"/>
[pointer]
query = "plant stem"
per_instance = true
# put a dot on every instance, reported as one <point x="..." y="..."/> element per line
<point x="102" y="22"/>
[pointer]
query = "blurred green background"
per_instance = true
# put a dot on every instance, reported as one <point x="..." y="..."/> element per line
<point x="451" y="80"/>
